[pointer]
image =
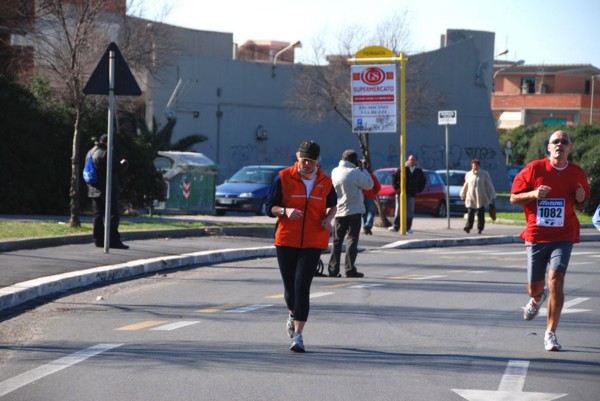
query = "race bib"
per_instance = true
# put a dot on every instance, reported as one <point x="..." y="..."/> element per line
<point x="550" y="212"/>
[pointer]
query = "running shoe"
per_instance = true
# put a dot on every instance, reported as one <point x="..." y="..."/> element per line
<point x="290" y="326"/>
<point x="297" y="343"/>
<point x="550" y="342"/>
<point x="532" y="309"/>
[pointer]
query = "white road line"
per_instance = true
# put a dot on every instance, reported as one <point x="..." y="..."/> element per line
<point x="248" y="308"/>
<point x="514" y="376"/>
<point x="26" y="378"/>
<point x="176" y="325"/>
<point x="320" y="294"/>
<point x="426" y="277"/>
<point x="366" y="285"/>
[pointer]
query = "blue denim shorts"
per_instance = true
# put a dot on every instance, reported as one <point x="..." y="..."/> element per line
<point x="544" y="255"/>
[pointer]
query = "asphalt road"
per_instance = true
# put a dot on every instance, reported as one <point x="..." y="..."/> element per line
<point x="425" y="324"/>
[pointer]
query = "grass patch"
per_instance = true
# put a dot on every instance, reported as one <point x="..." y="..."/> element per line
<point x="37" y="229"/>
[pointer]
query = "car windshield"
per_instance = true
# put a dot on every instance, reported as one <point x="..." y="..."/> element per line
<point x="254" y="176"/>
<point x="455" y="178"/>
<point x="384" y="177"/>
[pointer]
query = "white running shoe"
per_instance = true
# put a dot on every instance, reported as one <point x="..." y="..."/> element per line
<point x="550" y="342"/>
<point x="290" y="326"/>
<point x="297" y="343"/>
<point x="532" y="309"/>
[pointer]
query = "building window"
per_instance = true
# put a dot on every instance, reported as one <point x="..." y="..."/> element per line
<point x="587" y="87"/>
<point x="527" y="85"/>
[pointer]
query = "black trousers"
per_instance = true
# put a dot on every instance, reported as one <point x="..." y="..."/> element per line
<point x="297" y="267"/>
<point x="480" y="218"/>
<point x="98" y="209"/>
<point x="345" y="225"/>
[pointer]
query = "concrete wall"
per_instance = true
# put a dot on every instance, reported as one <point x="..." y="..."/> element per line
<point x="233" y="99"/>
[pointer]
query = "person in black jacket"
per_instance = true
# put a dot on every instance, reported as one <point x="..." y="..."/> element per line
<point x="415" y="183"/>
<point x="97" y="193"/>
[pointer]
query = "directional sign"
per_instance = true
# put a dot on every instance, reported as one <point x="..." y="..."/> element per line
<point x="447" y="117"/>
<point x="510" y="388"/>
<point x="125" y="83"/>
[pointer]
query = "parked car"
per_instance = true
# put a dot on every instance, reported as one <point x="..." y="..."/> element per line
<point x="456" y="182"/>
<point x="246" y="190"/>
<point x="431" y="201"/>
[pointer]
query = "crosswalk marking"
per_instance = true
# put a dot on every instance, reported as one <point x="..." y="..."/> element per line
<point x="366" y="285"/>
<point x="176" y="325"/>
<point x="276" y="296"/>
<point x="320" y="294"/>
<point x="141" y="325"/>
<point x="429" y="277"/>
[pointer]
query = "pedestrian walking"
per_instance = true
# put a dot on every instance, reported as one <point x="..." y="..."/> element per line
<point x="304" y="201"/>
<point x="596" y="218"/>
<point x="369" y="195"/>
<point x="350" y="179"/>
<point x="415" y="183"/>
<point x="550" y="190"/>
<point x="97" y="193"/>
<point x="478" y="193"/>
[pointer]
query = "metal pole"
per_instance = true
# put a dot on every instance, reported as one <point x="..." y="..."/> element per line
<point x="109" y="148"/>
<point x="447" y="180"/>
<point x="592" y="100"/>
<point x="403" y="61"/>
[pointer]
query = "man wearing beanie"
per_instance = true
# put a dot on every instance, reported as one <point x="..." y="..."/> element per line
<point x="349" y="180"/>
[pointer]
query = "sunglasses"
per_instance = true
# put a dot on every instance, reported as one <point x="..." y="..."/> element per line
<point x="561" y="141"/>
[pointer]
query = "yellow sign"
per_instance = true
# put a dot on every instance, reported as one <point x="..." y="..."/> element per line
<point x="374" y="52"/>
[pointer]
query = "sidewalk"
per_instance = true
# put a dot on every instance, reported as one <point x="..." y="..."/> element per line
<point x="38" y="268"/>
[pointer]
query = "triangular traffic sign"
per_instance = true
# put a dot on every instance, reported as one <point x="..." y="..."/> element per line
<point x="125" y="83"/>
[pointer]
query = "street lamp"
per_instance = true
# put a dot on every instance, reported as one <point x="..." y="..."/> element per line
<point x="479" y="79"/>
<point x="507" y="65"/>
<point x="280" y="52"/>
<point x="594" y="77"/>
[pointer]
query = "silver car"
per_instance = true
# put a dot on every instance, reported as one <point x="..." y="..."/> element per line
<point x="456" y="182"/>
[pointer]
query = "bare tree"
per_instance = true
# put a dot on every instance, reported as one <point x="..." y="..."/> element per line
<point x="322" y="90"/>
<point x="69" y="37"/>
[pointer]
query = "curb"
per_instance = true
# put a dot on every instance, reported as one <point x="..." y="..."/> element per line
<point x="26" y="291"/>
<point x="46" y="242"/>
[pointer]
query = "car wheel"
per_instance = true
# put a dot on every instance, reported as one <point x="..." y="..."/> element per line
<point x="220" y="212"/>
<point x="441" y="210"/>
<point x="261" y="210"/>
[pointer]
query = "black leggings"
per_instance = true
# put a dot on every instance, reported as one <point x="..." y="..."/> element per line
<point x="297" y="267"/>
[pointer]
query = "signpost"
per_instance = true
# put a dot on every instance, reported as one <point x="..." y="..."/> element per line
<point x="447" y="118"/>
<point x="508" y="149"/>
<point x="111" y="77"/>
<point x="375" y="108"/>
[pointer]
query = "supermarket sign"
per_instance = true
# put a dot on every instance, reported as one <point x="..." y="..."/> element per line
<point x="374" y="98"/>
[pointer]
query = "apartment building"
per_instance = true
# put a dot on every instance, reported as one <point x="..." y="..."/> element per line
<point x="549" y="94"/>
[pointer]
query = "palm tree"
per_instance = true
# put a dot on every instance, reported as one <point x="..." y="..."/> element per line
<point x="159" y="137"/>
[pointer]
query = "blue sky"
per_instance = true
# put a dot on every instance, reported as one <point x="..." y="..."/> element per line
<point x="538" y="31"/>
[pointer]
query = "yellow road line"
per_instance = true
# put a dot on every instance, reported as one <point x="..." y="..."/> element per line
<point x="219" y="308"/>
<point x="141" y="325"/>
<point x="339" y="285"/>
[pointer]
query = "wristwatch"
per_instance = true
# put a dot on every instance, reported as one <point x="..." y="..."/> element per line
<point x="283" y="211"/>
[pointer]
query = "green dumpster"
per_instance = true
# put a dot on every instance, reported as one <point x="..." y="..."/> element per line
<point x="189" y="183"/>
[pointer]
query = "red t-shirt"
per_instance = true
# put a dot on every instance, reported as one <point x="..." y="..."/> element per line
<point x="552" y="218"/>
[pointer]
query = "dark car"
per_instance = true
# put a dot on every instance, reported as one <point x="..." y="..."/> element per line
<point x="431" y="201"/>
<point x="456" y="182"/>
<point x="246" y="190"/>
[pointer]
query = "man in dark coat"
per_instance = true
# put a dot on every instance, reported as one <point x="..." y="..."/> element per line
<point x="415" y="183"/>
<point x="97" y="193"/>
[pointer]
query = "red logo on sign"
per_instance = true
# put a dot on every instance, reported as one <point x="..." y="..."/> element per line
<point x="372" y="76"/>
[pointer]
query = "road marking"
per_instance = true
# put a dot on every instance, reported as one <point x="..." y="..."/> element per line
<point x="219" y="308"/>
<point x="471" y="271"/>
<point x="566" y="306"/>
<point x="248" y="308"/>
<point x="366" y="285"/>
<point x="141" y="325"/>
<point x="510" y="388"/>
<point x="176" y="325"/>
<point x="405" y="277"/>
<point x="428" y="277"/>
<point x="320" y="294"/>
<point x="276" y="296"/>
<point x="26" y="378"/>
<point x="338" y="285"/>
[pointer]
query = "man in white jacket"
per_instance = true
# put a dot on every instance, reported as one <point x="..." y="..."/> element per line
<point x="349" y="180"/>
